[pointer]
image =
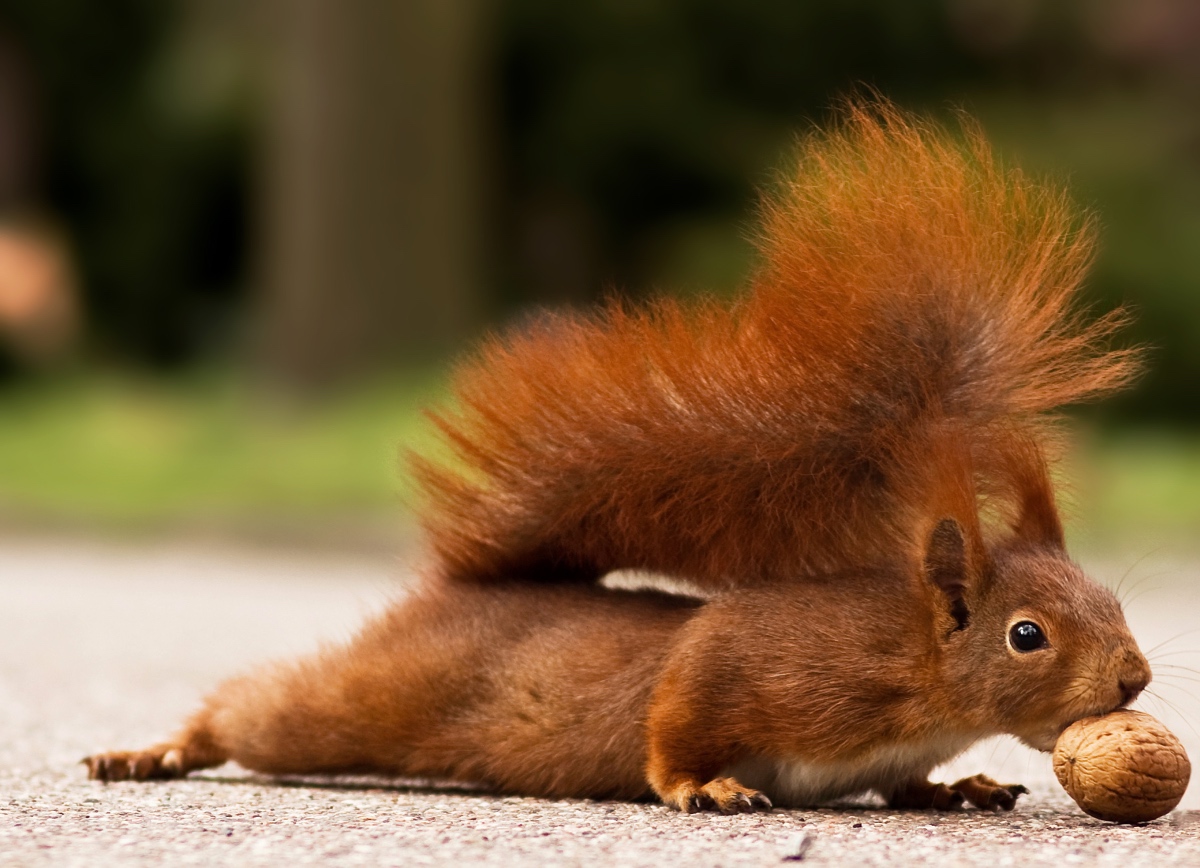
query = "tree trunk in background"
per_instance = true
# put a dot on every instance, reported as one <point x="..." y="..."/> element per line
<point x="371" y="199"/>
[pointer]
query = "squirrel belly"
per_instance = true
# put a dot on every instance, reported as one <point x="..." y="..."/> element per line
<point x="886" y="770"/>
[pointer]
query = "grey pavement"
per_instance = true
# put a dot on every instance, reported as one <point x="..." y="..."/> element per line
<point x="105" y="646"/>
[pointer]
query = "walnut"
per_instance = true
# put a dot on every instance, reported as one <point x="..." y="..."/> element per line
<point x="1125" y="766"/>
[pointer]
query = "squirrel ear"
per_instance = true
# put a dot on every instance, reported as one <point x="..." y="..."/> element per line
<point x="947" y="568"/>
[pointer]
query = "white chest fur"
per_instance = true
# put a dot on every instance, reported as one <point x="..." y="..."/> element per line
<point x="797" y="783"/>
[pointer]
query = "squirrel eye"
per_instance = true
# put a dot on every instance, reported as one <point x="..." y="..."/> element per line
<point x="1026" y="636"/>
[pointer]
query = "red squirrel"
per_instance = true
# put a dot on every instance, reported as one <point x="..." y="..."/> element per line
<point x="849" y="466"/>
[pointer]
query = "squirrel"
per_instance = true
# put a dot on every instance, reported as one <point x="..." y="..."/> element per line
<point x="849" y="467"/>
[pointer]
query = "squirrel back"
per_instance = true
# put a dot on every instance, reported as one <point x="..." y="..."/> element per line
<point x="896" y="361"/>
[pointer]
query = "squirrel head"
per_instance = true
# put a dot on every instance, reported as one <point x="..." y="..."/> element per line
<point x="1034" y="641"/>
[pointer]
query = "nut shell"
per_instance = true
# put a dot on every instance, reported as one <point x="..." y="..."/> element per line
<point x="1125" y="766"/>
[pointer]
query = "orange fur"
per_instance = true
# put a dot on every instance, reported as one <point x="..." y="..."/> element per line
<point x="870" y="418"/>
<point x="912" y="294"/>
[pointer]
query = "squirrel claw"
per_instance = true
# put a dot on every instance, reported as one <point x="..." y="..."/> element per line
<point x="760" y="800"/>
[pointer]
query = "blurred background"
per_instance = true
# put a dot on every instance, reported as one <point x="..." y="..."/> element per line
<point x="241" y="241"/>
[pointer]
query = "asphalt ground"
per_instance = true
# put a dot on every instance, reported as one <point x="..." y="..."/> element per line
<point x="107" y="646"/>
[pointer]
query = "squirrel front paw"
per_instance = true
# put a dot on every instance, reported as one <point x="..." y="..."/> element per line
<point x="161" y="762"/>
<point x="979" y="790"/>
<point x="720" y="794"/>
<point x="924" y="796"/>
<point x="984" y="793"/>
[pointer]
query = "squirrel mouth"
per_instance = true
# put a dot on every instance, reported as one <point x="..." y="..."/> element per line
<point x="1097" y="711"/>
<point x="1045" y="741"/>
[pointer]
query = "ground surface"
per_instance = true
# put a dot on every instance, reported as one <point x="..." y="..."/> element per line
<point x="104" y="646"/>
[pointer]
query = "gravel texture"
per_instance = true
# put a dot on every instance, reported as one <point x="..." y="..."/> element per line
<point x="105" y="646"/>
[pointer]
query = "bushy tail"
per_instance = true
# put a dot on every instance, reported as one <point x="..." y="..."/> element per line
<point x="912" y="324"/>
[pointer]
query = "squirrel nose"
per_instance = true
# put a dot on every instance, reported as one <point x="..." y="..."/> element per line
<point x="1129" y="692"/>
<point x="1135" y="677"/>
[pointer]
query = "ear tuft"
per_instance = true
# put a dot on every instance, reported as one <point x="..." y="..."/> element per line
<point x="946" y="568"/>
<point x="1038" y="521"/>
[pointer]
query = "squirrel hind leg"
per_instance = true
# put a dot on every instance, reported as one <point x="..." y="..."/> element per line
<point x="194" y="748"/>
<point x="260" y="720"/>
